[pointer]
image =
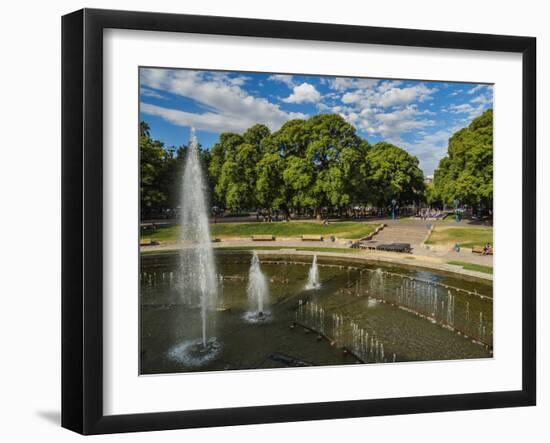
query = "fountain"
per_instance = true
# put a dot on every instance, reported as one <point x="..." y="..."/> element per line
<point x="256" y="290"/>
<point x="313" y="277"/>
<point x="403" y="312"/>
<point x="198" y="271"/>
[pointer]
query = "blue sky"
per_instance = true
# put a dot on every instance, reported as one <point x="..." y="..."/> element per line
<point x="418" y="116"/>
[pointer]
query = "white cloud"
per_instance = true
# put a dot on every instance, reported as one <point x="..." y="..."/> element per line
<point x="304" y="93"/>
<point x="228" y="106"/>
<point x="389" y="84"/>
<point x="464" y="108"/>
<point x="150" y="93"/>
<point x="386" y="108"/>
<point x="392" y="124"/>
<point x="430" y="148"/>
<point x="208" y="121"/>
<point x="387" y="95"/>
<point x="353" y="97"/>
<point x="323" y="107"/>
<point x="476" y="88"/>
<point x="405" y="96"/>
<point x="480" y="104"/>
<point x="342" y="84"/>
<point x="282" y="78"/>
<point x="482" y="99"/>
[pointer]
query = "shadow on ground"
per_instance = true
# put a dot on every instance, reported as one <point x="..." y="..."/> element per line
<point x="54" y="417"/>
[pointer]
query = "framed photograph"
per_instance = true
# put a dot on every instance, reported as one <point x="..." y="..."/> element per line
<point x="269" y="221"/>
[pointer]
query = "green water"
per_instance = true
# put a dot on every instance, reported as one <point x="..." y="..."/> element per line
<point x="363" y="313"/>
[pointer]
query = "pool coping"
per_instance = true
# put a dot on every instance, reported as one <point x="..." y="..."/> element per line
<point x="407" y="260"/>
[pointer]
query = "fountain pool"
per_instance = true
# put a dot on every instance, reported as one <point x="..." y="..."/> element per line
<point x="362" y="313"/>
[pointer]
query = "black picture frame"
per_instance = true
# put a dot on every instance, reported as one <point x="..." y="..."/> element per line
<point x="82" y="218"/>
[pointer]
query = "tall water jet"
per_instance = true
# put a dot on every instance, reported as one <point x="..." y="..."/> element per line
<point x="313" y="276"/>
<point x="198" y="270"/>
<point x="256" y="290"/>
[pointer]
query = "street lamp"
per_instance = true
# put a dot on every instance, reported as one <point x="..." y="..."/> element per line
<point x="457" y="217"/>
<point x="393" y="203"/>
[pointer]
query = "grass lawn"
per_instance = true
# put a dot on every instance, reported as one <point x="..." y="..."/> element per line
<point x="297" y="248"/>
<point x="264" y="248"/>
<point x="349" y="230"/>
<point x="472" y="266"/>
<point x="467" y="237"/>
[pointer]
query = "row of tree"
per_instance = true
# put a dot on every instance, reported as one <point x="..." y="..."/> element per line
<point x="319" y="163"/>
<point x="305" y="166"/>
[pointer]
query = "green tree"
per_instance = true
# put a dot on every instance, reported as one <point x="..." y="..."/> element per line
<point x="394" y="175"/>
<point x="466" y="173"/>
<point x="152" y="158"/>
<point x="333" y="149"/>
<point x="255" y="135"/>
<point x="220" y="175"/>
<point x="298" y="178"/>
<point x="291" y="139"/>
<point x="270" y="186"/>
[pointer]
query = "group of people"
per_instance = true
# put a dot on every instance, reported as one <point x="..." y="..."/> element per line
<point x="430" y="214"/>
<point x="487" y="249"/>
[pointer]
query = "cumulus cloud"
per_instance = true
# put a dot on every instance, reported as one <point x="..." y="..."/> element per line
<point x="304" y="93"/>
<point x="474" y="107"/>
<point x="482" y="99"/>
<point x="393" y="124"/>
<point x="342" y="84"/>
<point x="388" y="94"/>
<point x="385" y="107"/>
<point x="283" y="78"/>
<point x="228" y="106"/>
<point x="476" y="88"/>
<point x="150" y="93"/>
<point x="404" y="96"/>
<point x="430" y="148"/>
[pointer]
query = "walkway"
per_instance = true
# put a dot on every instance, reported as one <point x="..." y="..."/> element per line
<point x="415" y="232"/>
<point x="403" y="231"/>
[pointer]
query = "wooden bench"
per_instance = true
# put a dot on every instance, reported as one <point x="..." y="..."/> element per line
<point x="370" y="245"/>
<point x="265" y="237"/>
<point x="395" y="247"/>
<point x="480" y="251"/>
<point x="312" y="238"/>
<point x="148" y="242"/>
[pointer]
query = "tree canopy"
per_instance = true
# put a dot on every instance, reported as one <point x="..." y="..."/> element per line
<point x="317" y="164"/>
<point x="395" y="174"/>
<point x="466" y="173"/>
<point x="308" y="165"/>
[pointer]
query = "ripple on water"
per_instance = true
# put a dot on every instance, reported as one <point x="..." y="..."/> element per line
<point x="193" y="353"/>
<point x="255" y="317"/>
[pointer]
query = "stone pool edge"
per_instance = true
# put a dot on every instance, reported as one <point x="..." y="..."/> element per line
<point x="371" y="256"/>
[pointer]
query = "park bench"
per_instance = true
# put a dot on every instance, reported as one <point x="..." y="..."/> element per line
<point x="370" y="244"/>
<point x="264" y="237"/>
<point x="148" y="242"/>
<point x="480" y="251"/>
<point x="312" y="238"/>
<point x="395" y="247"/>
